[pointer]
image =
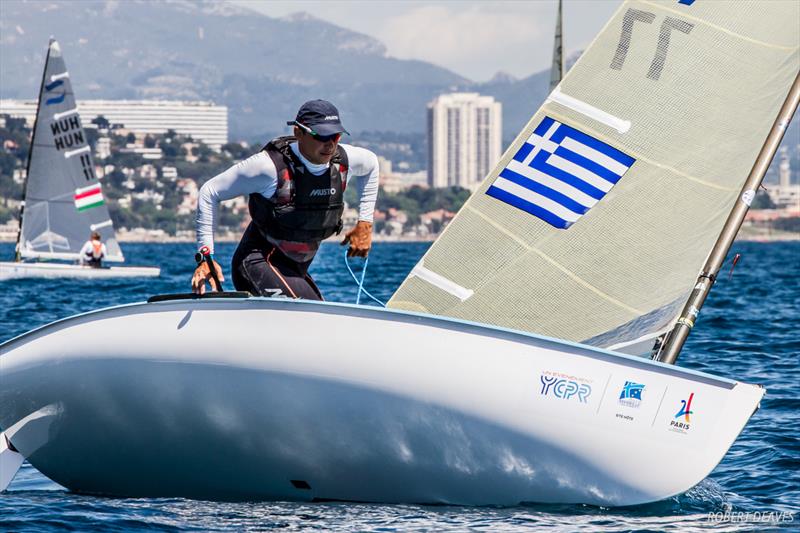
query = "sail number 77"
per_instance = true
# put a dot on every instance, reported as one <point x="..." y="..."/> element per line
<point x="631" y="17"/>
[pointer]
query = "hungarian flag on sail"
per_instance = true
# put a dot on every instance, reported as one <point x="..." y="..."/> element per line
<point x="559" y="173"/>
<point x="88" y="197"/>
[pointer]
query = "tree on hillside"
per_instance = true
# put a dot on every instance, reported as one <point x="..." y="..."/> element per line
<point x="13" y="157"/>
<point x="129" y="160"/>
<point x="204" y="153"/>
<point x="101" y="122"/>
<point x="237" y="150"/>
<point x="17" y="132"/>
<point x="418" y="200"/>
<point x="762" y="201"/>
<point x="91" y="137"/>
<point x="170" y="148"/>
<point x="6" y="214"/>
<point x="16" y="124"/>
<point x="450" y="198"/>
<point x="9" y="189"/>
<point x="7" y="164"/>
<point x="117" y="142"/>
<point x="201" y="172"/>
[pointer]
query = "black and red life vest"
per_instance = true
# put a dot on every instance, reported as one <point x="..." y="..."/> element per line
<point x="304" y="207"/>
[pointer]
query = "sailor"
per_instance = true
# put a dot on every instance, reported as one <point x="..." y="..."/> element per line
<point x="296" y="186"/>
<point x="93" y="251"/>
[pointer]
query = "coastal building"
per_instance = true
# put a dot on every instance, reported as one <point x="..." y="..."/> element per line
<point x="785" y="195"/>
<point x="393" y="181"/>
<point x="435" y="221"/>
<point x="406" y="180"/>
<point x="169" y="173"/>
<point x="146" y="153"/>
<point x="19" y="175"/>
<point x="203" y="121"/>
<point x="102" y="148"/>
<point x="464" y="139"/>
<point x="188" y="204"/>
<point x="10" y="230"/>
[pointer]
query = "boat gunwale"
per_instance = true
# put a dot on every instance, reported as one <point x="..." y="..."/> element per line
<point x="392" y="315"/>
<point x="64" y="266"/>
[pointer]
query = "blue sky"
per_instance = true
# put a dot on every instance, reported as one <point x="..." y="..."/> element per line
<point x="473" y="38"/>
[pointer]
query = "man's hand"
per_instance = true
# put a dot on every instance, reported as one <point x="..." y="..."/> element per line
<point x="202" y="274"/>
<point x="359" y="238"/>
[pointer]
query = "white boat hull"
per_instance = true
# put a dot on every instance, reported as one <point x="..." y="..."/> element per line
<point x="268" y="399"/>
<point x="15" y="270"/>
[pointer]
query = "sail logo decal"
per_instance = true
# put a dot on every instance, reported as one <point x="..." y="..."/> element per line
<point x="88" y="197"/>
<point x="59" y="96"/>
<point x="682" y="426"/>
<point x="631" y="394"/>
<point x="565" y="387"/>
<point x="559" y="173"/>
<point x="686" y="2"/>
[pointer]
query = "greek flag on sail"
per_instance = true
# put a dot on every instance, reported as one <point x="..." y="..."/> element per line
<point x="559" y="173"/>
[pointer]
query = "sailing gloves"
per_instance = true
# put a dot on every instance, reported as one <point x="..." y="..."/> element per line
<point x="359" y="238"/>
<point x="202" y="274"/>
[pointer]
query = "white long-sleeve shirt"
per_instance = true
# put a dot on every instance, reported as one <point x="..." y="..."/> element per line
<point x="257" y="175"/>
<point x="90" y="251"/>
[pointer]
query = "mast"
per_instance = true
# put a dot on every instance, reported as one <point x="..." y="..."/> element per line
<point x="557" y="70"/>
<point x="17" y="254"/>
<point x="677" y="337"/>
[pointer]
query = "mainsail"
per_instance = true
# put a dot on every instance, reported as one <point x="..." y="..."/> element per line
<point x="596" y="221"/>
<point x="63" y="198"/>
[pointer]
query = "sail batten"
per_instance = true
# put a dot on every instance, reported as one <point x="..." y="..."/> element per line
<point x="669" y="107"/>
<point x="63" y="197"/>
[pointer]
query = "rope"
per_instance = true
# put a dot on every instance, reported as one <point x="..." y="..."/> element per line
<point x="361" y="283"/>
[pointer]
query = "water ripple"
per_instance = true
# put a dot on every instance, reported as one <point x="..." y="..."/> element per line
<point x="748" y="330"/>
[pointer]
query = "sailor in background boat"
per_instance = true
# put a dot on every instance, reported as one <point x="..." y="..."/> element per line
<point x="296" y="186"/>
<point x="93" y="251"/>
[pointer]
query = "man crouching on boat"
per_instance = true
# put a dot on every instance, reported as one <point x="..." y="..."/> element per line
<point x="296" y="186"/>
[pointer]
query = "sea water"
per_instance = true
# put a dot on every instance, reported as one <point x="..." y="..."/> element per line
<point x="749" y="330"/>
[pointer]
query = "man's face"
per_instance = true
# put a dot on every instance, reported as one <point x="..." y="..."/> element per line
<point x="318" y="150"/>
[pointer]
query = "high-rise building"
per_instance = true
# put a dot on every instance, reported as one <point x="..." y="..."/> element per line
<point x="464" y="139"/>
<point x="204" y="121"/>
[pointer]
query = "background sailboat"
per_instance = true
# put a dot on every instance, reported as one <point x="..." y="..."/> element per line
<point x="63" y="199"/>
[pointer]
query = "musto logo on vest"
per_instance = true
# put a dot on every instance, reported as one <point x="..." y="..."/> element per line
<point x="323" y="192"/>
<point x="565" y="387"/>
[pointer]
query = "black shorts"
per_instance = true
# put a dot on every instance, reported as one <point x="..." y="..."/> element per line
<point x="261" y="269"/>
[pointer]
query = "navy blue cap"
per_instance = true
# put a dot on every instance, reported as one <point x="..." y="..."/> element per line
<point x="321" y="116"/>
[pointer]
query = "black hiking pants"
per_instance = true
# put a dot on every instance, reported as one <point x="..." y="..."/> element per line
<point x="261" y="269"/>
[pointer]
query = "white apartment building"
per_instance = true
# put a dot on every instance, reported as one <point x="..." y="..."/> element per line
<point x="204" y="121"/>
<point x="464" y="139"/>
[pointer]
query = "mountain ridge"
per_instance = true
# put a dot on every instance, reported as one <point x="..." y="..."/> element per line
<point x="261" y="67"/>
